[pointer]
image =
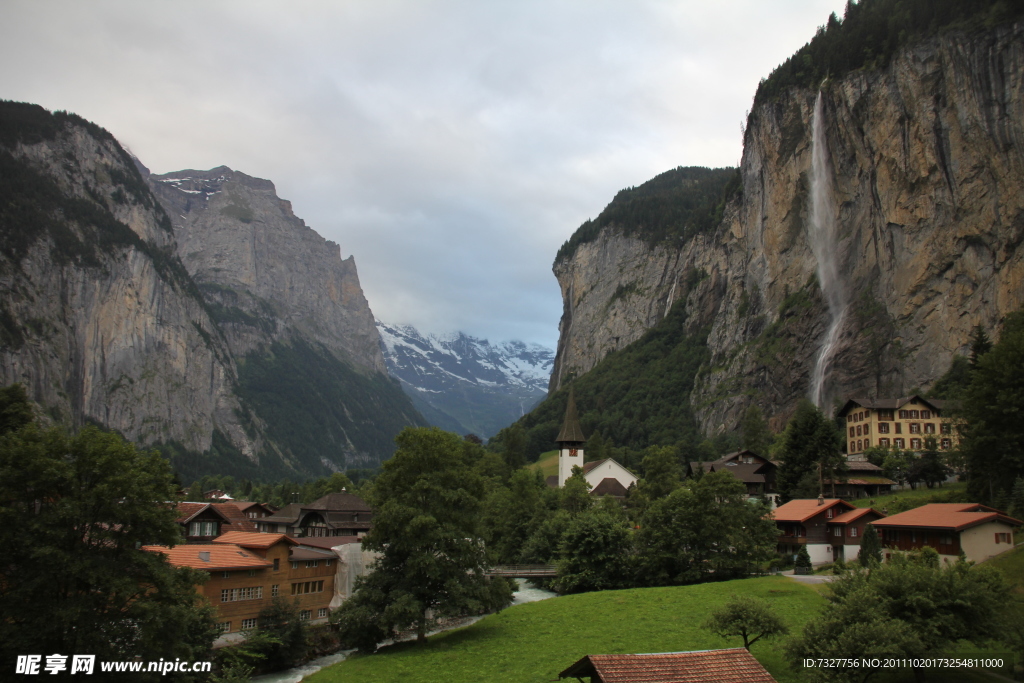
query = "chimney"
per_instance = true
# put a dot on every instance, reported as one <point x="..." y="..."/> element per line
<point x="821" y="499"/>
<point x="204" y="555"/>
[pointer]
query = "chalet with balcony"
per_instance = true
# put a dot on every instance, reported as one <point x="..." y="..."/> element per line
<point x="902" y="423"/>
<point x="846" y="530"/>
<point x="203" y="522"/>
<point x="863" y="480"/>
<point x="805" y="522"/>
<point x="980" y="532"/>
<point x="336" y="514"/>
<point x="756" y="472"/>
<point x="249" y="569"/>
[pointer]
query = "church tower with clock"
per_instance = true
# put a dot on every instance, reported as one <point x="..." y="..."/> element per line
<point x="570" y="443"/>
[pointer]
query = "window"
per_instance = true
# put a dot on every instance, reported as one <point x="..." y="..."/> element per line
<point x="915" y="428"/>
<point x="307" y="587"/>
<point x="929" y="427"/>
<point x="203" y="529"/>
<point x="853" y="532"/>
<point x="899" y="428"/>
<point x="312" y="563"/>
<point x="915" y="444"/>
<point x="849" y="418"/>
<point x="837" y="531"/>
<point x="275" y="590"/>
<point x="898" y="443"/>
<point x="852" y="432"/>
<point x="867" y="429"/>
<point x="926" y="414"/>
<point x="885" y="415"/>
<point x="883" y="427"/>
<point x="904" y="414"/>
<point x="913" y="415"/>
<point x="946" y="428"/>
<point x="1003" y="538"/>
<point x="236" y="594"/>
<point x="883" y="442"/>
<point x="277" y="563"/>
<point x="858" y="430"/>
<point x="248" y="624"/>
<point x="328" y="563"/>
<point x="321" y="613"/>
<point x="946" y="443"/>
<point x="304" y="615"/>
<point x="252" y="572"/>
<point x="225" y="575"/>
<point x="224" y="627"/>
<point x="829" y="513"/>
<point x="295" y="565"/>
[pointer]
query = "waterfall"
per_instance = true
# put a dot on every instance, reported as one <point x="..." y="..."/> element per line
<point x="824" y="243"/>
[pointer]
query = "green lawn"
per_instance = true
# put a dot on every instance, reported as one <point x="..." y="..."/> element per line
<point x="1011" y="564"/>
<point x="912" y="498"/>
<point x="534" y="642"/>
<point x="547" y="463"/>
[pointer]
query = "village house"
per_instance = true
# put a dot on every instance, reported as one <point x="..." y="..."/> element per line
<point x="980" y="532"/>
<point x="846" y="530"/>
<point x="734" y="665"/>
<point x="756" y="472"/>
<point x="203" y="522"/>
<point x="863" y="480"/>
<point x="902" y="423"/>
<point x="805" y="522"/>
<point x="254" y="510"/>
<point x="336" y="514"/>
<point x="248" y="570"/>
<point x="606" y="477"/>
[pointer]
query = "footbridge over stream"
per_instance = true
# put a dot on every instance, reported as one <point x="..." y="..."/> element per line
<point x="523" y="571"/>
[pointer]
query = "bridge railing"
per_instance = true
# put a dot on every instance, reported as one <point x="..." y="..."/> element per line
<point x="522" y="570"/>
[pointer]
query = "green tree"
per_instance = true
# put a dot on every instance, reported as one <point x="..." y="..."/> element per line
<point x="575" y="495"/>
<point x="904" y="608"/>
<point x="928" y="468"/>
<point x="512" y="513"/>
<point x="705" y="528"/>
<point x="980" y="344"/>
<point x="757" y="437"/>
<point x="514" y="446"/>
<point x="870" y="548"/>
<point x="595" y="553"/>
<point x="1017" y="498"/>
<point x="810" y="441"/>
<point x="992" y="436"/>
<point x="747" y="617"/>
<point x="281" y="636"/>
<point x="662" y="475"/>
<point x="15" y="408"/>
<point x="426" y="527"/>
<point x="803" y="558"/>
<point x="77" y="509"/>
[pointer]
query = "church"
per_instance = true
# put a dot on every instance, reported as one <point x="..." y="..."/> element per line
<point x="606" y="477"/>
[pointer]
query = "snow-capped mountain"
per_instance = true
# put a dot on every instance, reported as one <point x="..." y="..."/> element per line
<point x="464" y="384"/>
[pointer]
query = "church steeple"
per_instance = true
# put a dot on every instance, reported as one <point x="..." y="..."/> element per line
<point x="570" y="441"/>
<point x="571" y="432"/>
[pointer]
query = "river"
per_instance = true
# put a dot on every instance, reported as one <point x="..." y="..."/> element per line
<point x="526" y="592"/>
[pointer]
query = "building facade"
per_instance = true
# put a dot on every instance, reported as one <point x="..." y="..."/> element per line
<point x="805" y="522"/>
<point x="980" y="532"/>
<point x="903" y="423"/>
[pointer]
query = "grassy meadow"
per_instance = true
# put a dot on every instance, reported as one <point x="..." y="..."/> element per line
<point x="547" y="463"/>
<point x="908" y="499"/>
<point x="535" y="641"/>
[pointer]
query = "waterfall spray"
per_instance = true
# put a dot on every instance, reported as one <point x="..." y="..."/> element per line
<point x="824" y="243"/>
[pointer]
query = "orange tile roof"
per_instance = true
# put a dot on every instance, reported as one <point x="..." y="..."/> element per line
<point x="253" y="539"/>
<point x="853" y="515"/>
<point x="736" y="665"/>
<point x="221" y="556"/>
<point x="947" y="516"/>
<point x="803" y="509"/>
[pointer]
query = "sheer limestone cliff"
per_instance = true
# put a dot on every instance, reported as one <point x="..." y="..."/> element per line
<point x="927" y="162"/>
<point x="222" y="328"/>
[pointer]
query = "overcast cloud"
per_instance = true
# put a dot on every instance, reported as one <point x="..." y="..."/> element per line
<point x="450" y="146"/>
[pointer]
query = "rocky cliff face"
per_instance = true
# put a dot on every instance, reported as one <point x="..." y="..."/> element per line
<point x="100" y="321"/>
<point x="254" y="259"/>
<point x="927" y="168"/>
<point x="195" y="312"/>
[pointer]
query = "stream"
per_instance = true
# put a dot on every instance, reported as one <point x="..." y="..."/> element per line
<point x="526" y="592"/>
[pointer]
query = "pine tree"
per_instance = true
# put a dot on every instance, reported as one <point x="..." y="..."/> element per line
<point x="803" y="558"/>
<point x="870" y="548"/>
<point x="1017" y="499"/>
<point x="980" y="344"/>
<point x="757" y="437"/>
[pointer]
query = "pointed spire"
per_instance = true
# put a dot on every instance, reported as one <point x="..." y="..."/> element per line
<point x="571" y="430"/>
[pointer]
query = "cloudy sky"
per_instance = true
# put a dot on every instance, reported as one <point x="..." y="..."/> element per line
<point x="451" y="146"/>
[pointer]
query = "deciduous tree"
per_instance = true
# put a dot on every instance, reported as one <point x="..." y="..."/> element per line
<point x="747" y="617"/>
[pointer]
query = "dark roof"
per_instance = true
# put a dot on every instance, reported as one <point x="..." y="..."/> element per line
<point x="342" y="502"/>
<point x="748" y="473"/>
<point x="862" y="466"/>
<point x="736" y="665"/>
<point x="609" y="486"/>
<point x="310" y="554"/>
<point x="571" y="430"/>
<point x="326" y="541"/>
<point x="890" y="403"/>
<point x="286" y="515"/>
<point x="237" y="521"/>
<point x="188" y="511"/>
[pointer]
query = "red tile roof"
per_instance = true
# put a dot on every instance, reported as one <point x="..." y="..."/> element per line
<point x="236" y="518"/>
<point x="218" y="556"/>
<point x="710" y="666"/>
<point x="955" y="516"/>
<point x="853" y="515"/>
<point x="803" y="509"/>
<point x="253" y="539"/>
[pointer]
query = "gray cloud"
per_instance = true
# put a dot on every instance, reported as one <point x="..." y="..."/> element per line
<point x="451" y="146"/>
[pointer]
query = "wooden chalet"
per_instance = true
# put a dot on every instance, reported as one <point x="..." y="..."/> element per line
<point x="734" y="665"/>
<point x="336" y="514"/>
<point x="202" y="522"/>
<point x="755" y="471"/>
<point x="980" y="532"/>
<point x="805" y="522"/>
